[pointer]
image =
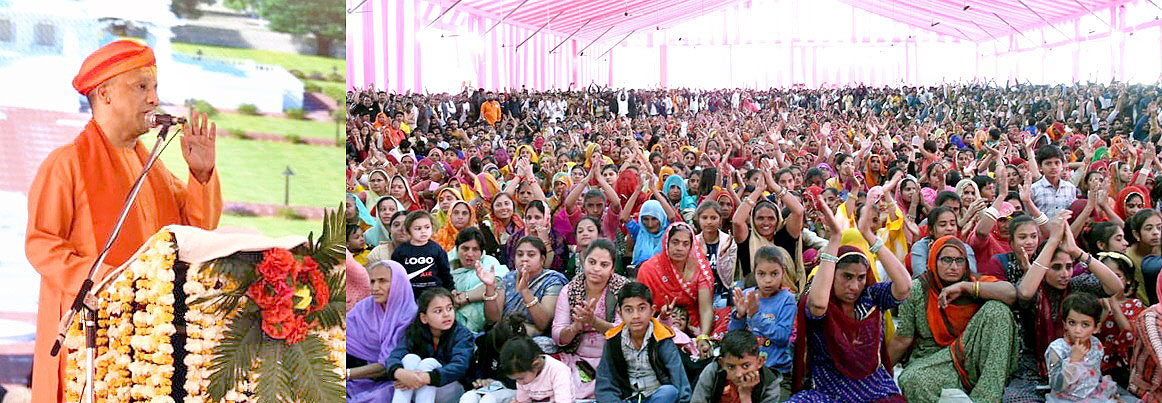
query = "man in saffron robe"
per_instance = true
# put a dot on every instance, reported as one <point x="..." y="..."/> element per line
<point x="80" y="188"/>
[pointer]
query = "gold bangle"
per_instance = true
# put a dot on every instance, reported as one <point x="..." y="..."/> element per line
<point x="536" y="300"/>
<point x="488" y="298"/>
<point x="976" y="286"/>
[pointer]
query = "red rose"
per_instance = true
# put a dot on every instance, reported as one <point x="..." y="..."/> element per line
<point x="322" y="295"/>
<point x="276" y="330"/>
<point x="298" y="330"/>
<point x="277" y="264"/>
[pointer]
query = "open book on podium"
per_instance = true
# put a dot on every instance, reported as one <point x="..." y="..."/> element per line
<point x="200" y="316"/>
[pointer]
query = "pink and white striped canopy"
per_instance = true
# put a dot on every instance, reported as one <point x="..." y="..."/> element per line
<point x="973" y="20"/>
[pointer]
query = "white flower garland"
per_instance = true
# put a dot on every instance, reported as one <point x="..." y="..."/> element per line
<point x="134" y="356"/>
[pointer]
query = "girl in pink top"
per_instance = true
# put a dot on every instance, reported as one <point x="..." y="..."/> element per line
<point x="539" y="377"/>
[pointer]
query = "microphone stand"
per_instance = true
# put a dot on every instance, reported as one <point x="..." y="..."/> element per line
<point x="89" y="324"/>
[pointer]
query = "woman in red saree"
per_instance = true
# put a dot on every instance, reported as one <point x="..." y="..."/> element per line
<point x="680" y="276"/>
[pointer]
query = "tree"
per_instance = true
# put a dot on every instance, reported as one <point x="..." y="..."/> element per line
<point x="322" y="19"/>
<point x="188" y="8"/>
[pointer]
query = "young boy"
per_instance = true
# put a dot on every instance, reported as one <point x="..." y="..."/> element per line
<point x="640" y="361"/>
<point x="738" y="375"/>
<point x="1074" y="361"/>
<point x="768" y="310"/>
<point x="1051" y="194"/>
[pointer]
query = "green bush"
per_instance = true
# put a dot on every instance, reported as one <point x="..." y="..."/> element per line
<point x="315" y="75"/>
<point x="239" y="133"/>
<point x="291" y="214"/>
<point x="312" y="87"/>
<point x="339" y="114"/>
<point x="296" y="113"/>
<point x="205" y="107"/>
<point x="336" y="77"/>
<point x="248" y="109"/>
<point x="295" y="139"/>
<point x="298" y="74"/>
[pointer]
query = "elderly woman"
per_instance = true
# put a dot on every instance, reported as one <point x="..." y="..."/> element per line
<point x="680" y="276"/>
<point x="958" y="327"/>
<point x="374" y="327"/>
<point x="588" y="310"/>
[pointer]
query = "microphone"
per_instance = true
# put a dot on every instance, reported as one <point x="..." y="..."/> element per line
<point x="164" y="119"/>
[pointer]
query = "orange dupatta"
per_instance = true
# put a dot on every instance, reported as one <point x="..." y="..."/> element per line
<point x="107" y="183"/>
<point x="948" y="323"/>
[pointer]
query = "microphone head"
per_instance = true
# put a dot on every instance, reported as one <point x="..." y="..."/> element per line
<point x="159" y="119"/>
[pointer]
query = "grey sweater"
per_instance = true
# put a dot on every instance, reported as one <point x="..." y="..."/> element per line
<point x="713" y="381"/>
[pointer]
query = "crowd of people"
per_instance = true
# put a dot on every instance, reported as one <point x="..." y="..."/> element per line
<point x="980" y="242"/>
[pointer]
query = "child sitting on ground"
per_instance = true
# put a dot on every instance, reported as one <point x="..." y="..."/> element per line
<point x="738" y="375"/>
<point x="539" y="377"/>
<point x="1074" y="361"/>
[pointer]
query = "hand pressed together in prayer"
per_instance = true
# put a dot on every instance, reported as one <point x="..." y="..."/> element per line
<point x="198" y="145"/>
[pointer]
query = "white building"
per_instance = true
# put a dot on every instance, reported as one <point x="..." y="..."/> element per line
<point x="43" y="42"/>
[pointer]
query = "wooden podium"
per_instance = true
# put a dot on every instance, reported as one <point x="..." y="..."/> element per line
<point x="179" y="321"/>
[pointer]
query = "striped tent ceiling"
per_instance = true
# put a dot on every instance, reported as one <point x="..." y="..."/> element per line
<point x="972" y="20"/>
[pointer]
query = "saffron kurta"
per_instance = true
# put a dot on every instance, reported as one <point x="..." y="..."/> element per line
<point x="60" y="241"/>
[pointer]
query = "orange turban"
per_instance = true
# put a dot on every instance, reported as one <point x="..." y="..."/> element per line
<point x="110" y="60"/>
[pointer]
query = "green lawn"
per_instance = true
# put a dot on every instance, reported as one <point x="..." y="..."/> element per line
<point x="274" y="227"/>
<point x="303" y="63"/>
<point x="264" y="124"/>
<point x="251" y="170"/>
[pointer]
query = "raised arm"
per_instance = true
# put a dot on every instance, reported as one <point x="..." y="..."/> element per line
<point x="820" y="293"/>
<point x="575" y="193"/>
<point x="740" y="223"/>
<point x="901" y="281"/>
<point x="1029" y="284"/>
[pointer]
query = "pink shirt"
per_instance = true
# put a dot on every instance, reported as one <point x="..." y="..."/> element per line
<point x="553" y="384"/>
<point x="358" y="282"/>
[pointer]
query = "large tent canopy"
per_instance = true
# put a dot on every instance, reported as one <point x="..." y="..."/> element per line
<point x="443" y="45"/>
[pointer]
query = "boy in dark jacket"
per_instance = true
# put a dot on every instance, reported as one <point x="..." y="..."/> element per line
<point x="640" y="362"/>
<point x="738" y="375"/>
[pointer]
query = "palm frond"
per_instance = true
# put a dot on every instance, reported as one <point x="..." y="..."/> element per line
<point x="270" y="387"/>
<point x="234" y="356"/>
<point x="313" y="374"/>
<point x="329" y="249"/>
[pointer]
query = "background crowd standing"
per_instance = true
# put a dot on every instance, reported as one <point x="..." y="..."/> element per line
<point x="975" y="242"/>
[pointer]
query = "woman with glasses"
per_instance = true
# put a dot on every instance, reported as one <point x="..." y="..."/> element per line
<point x="958" y="328"/>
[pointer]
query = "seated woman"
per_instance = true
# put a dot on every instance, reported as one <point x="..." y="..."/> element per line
<point x="585" y="232"/>
<point x="586" y="313"/>
<point x="468" y="296"/>
<point x="958" y="327"/>
<point x="538" y="224"/>
<point x="385" y="207"/>
<point x="527" y="290"/>
<point x="1146" y="365"/>
<point x="1047" y="282"/>
<point x="373" y="331"/>
<point x="757" y="224"/>
<point x="841" y="319"/>
<point x="647" y="230"/>
<point x="460" y="215"/>
<point x="680" y="276"/>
